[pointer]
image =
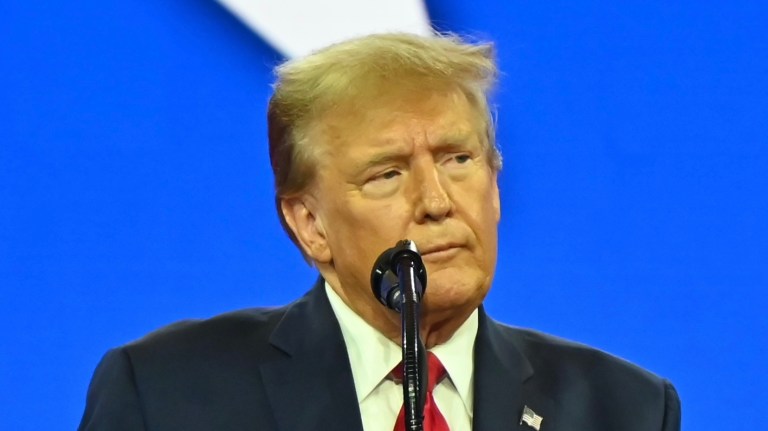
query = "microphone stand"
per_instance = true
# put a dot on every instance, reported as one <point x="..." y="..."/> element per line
<point x="414" y="357"/>
<point x="398" y="280"/>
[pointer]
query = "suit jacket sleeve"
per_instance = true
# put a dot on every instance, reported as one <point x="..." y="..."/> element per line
<point x="671" y="408"/>
<point x="113" y="400"/>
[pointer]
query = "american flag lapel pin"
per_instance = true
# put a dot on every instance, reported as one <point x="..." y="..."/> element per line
<point x="531" y="418"/>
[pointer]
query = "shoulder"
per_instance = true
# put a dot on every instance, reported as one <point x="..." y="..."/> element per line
<point x="245" y="323"/>
<point x="197" y="347"/>
<point x="577" y="376"/>
<point x="555" y="353"/>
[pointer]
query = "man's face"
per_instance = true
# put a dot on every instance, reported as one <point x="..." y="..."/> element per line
<point x="408" y="166"/>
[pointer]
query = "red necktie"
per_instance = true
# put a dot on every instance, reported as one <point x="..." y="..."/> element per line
<point x="433" y="419"/>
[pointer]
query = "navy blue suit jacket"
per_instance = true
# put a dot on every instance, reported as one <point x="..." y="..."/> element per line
<point x="287" y="369"/>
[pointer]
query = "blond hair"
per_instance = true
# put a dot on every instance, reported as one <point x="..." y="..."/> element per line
<point x="361" y="68"/>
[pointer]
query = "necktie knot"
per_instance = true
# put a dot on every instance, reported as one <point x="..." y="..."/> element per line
<point x="433" y="419"/>
<point x="436" y="369"/>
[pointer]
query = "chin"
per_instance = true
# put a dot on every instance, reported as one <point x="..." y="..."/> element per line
<point x="453" y="290"/>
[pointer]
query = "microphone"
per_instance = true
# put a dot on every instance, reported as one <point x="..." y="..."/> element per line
<point x="385" y="275"/>
<point x="398" y="280"/>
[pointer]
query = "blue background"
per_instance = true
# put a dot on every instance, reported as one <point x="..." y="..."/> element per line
<point x="135" y="188"/>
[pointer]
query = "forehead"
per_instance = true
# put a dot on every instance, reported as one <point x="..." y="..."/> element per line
<point x="400" y="118"/>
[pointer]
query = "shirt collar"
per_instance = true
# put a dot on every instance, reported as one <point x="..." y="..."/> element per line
<point x="371" y="355"/>
<point x="364" y="344"/>
<point x="458" y="357"/>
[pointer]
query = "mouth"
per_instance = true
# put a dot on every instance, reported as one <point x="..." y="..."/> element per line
<point x="440" y="252"/>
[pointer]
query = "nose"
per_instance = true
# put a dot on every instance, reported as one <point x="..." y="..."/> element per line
<point x="433" y="201"/>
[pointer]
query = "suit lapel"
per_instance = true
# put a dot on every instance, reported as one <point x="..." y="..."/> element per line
<point x="311" y="386"/>
<point x="504" y="381"/>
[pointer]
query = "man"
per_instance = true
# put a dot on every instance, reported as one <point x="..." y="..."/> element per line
<point x="374" y="140"/>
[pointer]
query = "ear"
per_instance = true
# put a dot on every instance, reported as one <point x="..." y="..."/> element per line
<point x="302" y="218"/>
<point x="496" y="195"/>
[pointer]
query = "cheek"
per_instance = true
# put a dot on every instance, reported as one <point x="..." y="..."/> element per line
<point x="380" y="218"/>
<point x="363" y="230"/>
<point x="483" y="211"/>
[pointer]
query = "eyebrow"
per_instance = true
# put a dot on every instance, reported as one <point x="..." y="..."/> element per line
<point x="455" y="140"/>
<point x="382" y="158"/>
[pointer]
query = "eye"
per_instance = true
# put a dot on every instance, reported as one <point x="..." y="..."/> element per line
<point x="462" y="158"/>
<point x="458" y="159"/>
<point x="388" y="175"/>
<point x="382" y="185"/>
<point x="384" y="176"/>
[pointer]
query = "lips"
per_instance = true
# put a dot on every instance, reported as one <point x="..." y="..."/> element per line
<point x="440" y="251"/>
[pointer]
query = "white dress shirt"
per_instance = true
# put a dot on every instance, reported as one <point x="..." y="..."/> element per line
<point x="372" y="356"/>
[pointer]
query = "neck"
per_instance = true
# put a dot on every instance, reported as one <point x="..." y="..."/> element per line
<point x="436" y="326"/>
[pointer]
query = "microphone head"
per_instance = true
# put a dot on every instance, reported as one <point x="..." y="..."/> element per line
<point x="385" y="283"/>
<point x="383" y="278"/>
